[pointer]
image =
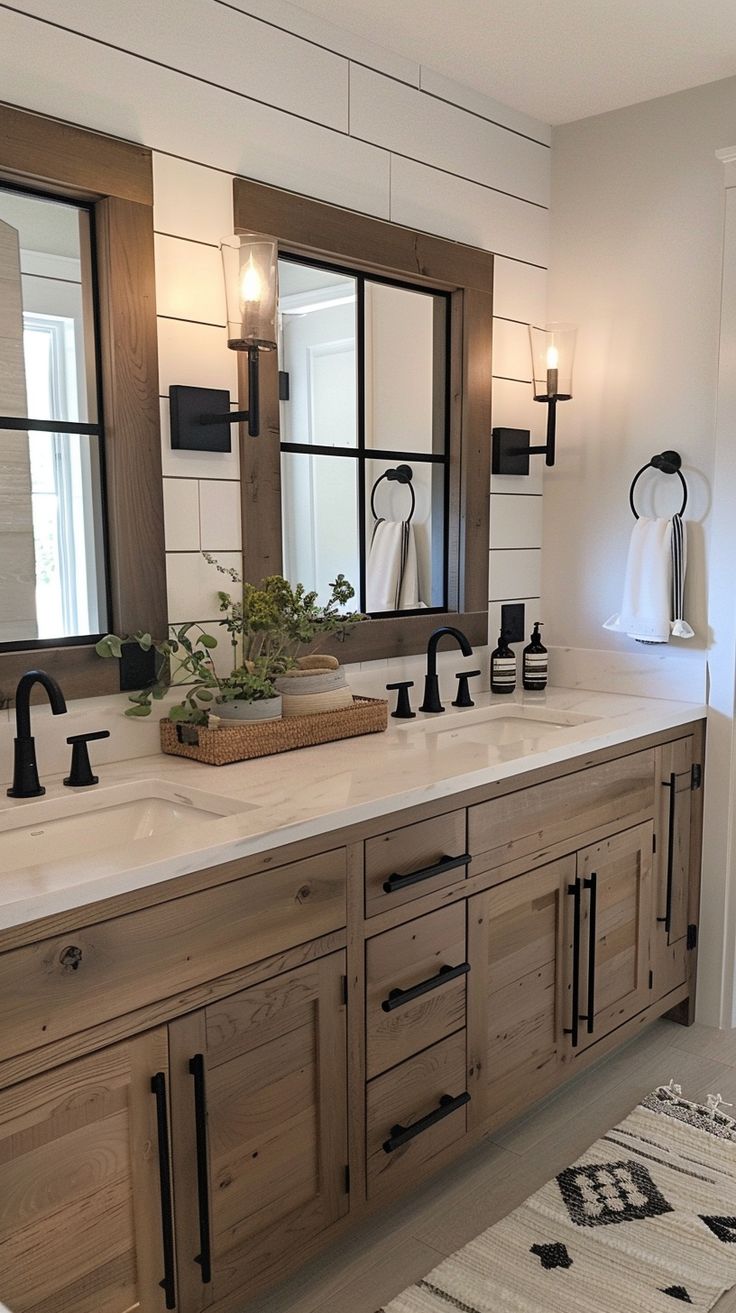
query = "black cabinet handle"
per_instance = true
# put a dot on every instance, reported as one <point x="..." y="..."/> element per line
<point x="592" y="885"/>
<point x="204" y="1257"/>
<point x="403" y="1134"/>
<point x="158" y="1087"/>
<point x="574" y="891"/>
<point x="670" y="784"/>
<point x="398" y="997"/>
<point x="396" y="881"/>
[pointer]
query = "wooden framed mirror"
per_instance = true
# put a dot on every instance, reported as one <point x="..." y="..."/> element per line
<point x="81" y="530"/>
<point x="332" y="433"/>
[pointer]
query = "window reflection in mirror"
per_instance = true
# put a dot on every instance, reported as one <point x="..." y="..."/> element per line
<point x="52" y="558"/>
<point x="364" y="436"/>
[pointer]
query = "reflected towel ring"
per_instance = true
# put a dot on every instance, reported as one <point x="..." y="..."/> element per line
<point x="667" y="462"/>
<point x="402" y="474"/>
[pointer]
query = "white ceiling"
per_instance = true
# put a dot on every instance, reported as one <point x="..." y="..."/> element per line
<point x="557" y="60"/>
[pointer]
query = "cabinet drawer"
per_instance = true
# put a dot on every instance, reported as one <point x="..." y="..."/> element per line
<point x="414" y="1113"/>
<point x="414" y="860"/>
<point x="532" y="820"/>
<point x="415" y="986"/>
<point x="63" y="985"/>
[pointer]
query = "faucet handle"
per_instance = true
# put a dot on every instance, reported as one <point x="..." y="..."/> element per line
<point x="80" y="775"/>
<point x="463" y="698"/>
<point x="403" y="702"/>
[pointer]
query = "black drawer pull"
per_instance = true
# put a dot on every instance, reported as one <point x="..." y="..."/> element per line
<point x="670" y="784"/>
<point x="398" y="997"/>
<point x="575" y="892"/>
<point x="396" y="881"/>
<point x="592" y="885"/>
<point x="204" y="1257"/>
<point x="158" y="1087"/>
<point x="403" y="1134"/>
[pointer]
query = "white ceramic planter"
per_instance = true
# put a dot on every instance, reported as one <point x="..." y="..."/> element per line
<point x="253" y="712"/>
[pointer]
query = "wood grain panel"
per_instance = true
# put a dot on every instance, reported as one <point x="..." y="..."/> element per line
<point x="276" y="1058"/>
<point x="64" y="156"/>
<point x="133" y="960"/>
<point x="404" y="1096"/>
<point x="532" y="819"/>
<point x="412" y="848"/>
<point x="400" y="959"/>
<point x="132" y="416"/>
<point x="80" y="1222"/>
<point x="518" y="993"/>
<point x="343" y="235"/>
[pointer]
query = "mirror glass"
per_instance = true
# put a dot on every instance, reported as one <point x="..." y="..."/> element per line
<point x="364" y="436"/>
<point x="52" y="557"/>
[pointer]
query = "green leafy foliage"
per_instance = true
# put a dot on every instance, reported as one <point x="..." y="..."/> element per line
<point x="269" y="626"/>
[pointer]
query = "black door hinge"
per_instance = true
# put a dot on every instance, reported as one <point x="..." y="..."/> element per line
<point x="347" y="1178"/>
<point x="284" y="388"/>
<point x="692" y="936"/>
<point x="696" y="776"/>
<point x="345" y="990"/>
<point x="651" y="980"/>
<point x="654" y="843"/>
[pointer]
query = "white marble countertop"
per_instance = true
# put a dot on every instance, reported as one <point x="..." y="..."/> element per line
<point x="314" y="791"/>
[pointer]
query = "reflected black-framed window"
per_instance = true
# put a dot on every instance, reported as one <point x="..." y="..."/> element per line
<point x="364" y="420"/>
<point x="53" y="566"/>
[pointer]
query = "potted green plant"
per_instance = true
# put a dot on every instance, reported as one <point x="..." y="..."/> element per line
<point x="270" y="626"/>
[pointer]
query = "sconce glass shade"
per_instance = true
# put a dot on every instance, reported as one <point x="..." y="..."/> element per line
<point x="250" y="266"/>
<point x="553" y="354"/>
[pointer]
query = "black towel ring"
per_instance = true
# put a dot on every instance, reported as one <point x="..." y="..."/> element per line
<point x="402" y="474"/>
<point x="668" y="462"/>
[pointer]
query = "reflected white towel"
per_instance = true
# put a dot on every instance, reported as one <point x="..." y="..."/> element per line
<point x="392" y="572"/>
<point x="653" y="587"/>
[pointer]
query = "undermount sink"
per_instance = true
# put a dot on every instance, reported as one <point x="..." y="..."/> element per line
<point x="81" y="825"/>
<point x="499" y="725"/>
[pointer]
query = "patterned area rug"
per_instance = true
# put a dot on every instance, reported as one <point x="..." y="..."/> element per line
<point x="643" y="1222"/>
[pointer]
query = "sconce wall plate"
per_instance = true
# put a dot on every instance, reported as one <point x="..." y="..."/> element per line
<point x="511" y="451"/>
<point x="188" y="405"/>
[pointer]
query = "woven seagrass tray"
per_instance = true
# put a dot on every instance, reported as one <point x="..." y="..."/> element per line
<point x="229" y="743"/>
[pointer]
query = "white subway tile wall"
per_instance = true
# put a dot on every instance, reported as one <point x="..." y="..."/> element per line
<point x="316" y="110"/>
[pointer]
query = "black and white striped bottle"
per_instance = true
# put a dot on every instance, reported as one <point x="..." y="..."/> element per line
<point x="503" y="667"/>
<point x="534" y="668"/>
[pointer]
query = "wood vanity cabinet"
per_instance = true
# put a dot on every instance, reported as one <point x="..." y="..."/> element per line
<point x="203" y="1084"/>
<point x="82" y="1217"/>
<point x="259" y="1129"/>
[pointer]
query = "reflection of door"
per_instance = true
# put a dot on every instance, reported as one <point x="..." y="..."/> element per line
<point x="331" y="391"/>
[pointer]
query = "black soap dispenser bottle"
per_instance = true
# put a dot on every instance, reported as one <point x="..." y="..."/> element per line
<point x="535" y="662"/>
<point x="503" y="667"/>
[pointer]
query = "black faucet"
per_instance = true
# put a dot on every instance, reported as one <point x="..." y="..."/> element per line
<point x="431" y="682"/>
<point x="26" y="783"/>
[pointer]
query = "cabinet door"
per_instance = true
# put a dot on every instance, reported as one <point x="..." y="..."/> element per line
<point x="615" y="920"/>
<point x="519" y="990"/>
<point x="259" y="1129"/>
<point x="80" y="1179"/>
<point x="672" y="870"/>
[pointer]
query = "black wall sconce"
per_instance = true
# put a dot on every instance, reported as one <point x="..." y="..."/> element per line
<point x="552" y="356"/>
<point x="201" y="418"/>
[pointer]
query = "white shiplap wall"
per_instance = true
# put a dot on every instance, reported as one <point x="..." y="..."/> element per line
<point x="262" y="89"/>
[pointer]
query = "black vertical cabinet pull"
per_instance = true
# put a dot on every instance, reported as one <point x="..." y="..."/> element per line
<point x="670" y="784"/>
<point x="168" y="1285"/>
<point x="574" y="890"/>
<point x="591" y="884"/>
<point x="204" y="1257"/>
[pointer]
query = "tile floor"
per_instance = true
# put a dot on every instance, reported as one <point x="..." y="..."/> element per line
<point x="369" y="1267"/>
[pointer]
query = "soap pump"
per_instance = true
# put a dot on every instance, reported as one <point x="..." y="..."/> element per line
<point x="535" y="662"/>
<point x="503" y="666"/>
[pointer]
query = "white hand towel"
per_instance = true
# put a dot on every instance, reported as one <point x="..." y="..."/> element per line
<point x="392" y="572"/>
<point x="646" y="608"/>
